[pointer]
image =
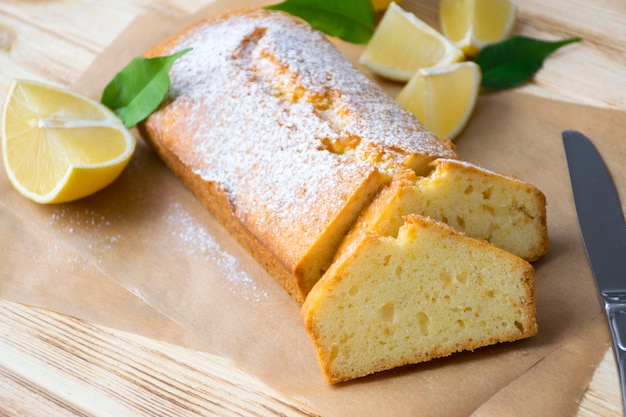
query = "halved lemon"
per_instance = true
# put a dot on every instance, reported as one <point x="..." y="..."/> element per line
<point x="402" y="44"/>
<point x="59" y="146"/>
<point x="380" y="5"/>
<point x="474" y="24"/>
<point x="443" y="98"/>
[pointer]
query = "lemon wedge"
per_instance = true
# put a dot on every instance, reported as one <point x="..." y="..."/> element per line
<point x="402" y="44"/>
<point x="58" y="145"/>
<point x="443" y="98"/>
<point x="380" y="5"/>
<point x="474" y="24"/>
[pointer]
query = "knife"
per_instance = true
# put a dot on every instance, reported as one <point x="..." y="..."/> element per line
<point x="604" y="235"/>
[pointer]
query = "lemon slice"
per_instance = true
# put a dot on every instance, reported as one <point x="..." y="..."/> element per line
<point x="59" y="146"/>
<point x="380" y="5"/>
<point x="474" y="24"/>
<point x="402" y="44"/>
<point x="443" y="98"/>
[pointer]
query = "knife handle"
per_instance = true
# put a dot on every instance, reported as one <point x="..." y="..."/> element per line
<point x="615" y="307"/>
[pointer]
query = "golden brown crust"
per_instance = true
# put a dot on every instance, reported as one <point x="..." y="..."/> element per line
<point x="218" y="204"/>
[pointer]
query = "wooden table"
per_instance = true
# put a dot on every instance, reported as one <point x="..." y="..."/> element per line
<point x="57" y="40"/>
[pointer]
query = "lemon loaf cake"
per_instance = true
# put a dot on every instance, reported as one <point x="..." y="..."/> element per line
<point x="427" y="293"/>
<point x="281" y="137"/>
<point x="317" y="172"/>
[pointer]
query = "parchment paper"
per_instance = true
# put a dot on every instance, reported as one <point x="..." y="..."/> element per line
<point x="144" y="256"/>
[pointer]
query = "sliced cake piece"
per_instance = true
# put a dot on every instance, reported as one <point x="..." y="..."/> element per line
<point x="506" y="211"/>
<point x="427" y="293"/>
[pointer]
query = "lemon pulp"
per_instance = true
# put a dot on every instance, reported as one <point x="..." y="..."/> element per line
<point x="443" y="98"/>
<point x="402" y="44"/>
<point x="474" y="24"/>
<point x="58" y="145"/>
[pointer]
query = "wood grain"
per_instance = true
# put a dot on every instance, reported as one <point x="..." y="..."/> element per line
<point x="114" y="373"/>
<point x="52" y="364"/>
<point x="56" y="365"/>
<point x="602" y="398"/>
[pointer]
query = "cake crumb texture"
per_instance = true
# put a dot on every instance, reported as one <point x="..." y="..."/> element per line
<point x="507" y="212"/>
<point x="427" y="293"/>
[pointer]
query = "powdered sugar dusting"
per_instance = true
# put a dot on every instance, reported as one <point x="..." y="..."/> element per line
<point x="53" y="251"/>
<point x="102" y="237"/>
<point x="197" y="241"/>
<point x="281" y="121"/>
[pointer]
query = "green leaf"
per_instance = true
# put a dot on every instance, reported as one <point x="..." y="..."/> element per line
<point x="514" y="61"/>
<point x="350" y="20"/>
<point x="138" y="89"/>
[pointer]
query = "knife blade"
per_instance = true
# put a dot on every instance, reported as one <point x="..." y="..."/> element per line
<point x="603" y="229"/>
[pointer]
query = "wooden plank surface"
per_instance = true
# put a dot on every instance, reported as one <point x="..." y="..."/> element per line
<point x="118" y="374"/>
<point x="54" y="365"/>
<point x="107" y="372"/>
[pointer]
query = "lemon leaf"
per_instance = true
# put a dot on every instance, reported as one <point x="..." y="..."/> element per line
<point x="137" y="90"/>
<point x="403" y="43"/>
<point x="350" y="20"/>
<point x="512" y="62"/>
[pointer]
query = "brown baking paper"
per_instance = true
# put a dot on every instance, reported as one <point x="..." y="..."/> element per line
<point x="144" y="256"/>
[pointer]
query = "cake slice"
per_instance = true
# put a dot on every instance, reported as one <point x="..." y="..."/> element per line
<point x="506" y="211"/>
<point x="427" y="293"/>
